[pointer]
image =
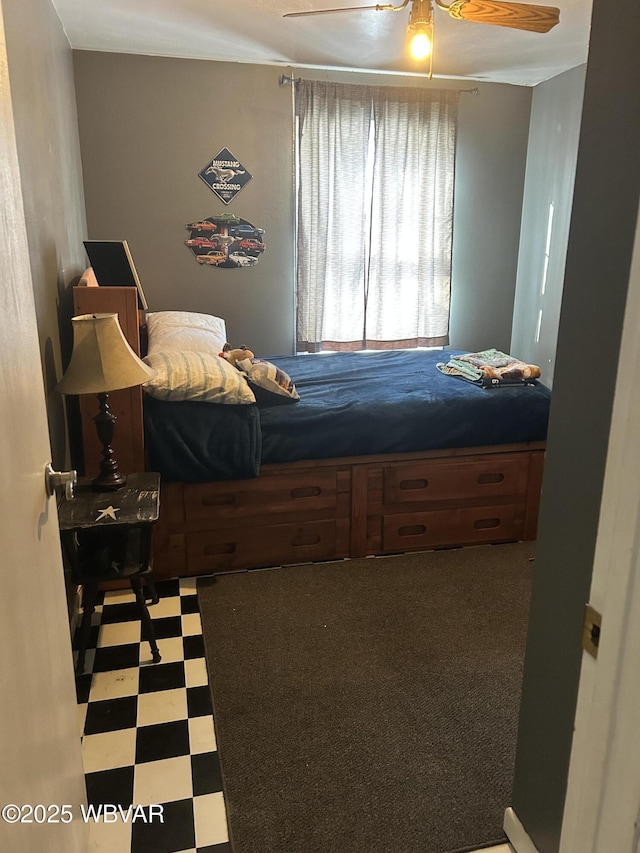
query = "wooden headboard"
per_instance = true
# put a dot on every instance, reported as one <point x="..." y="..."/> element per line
<point x="126" y="404"/>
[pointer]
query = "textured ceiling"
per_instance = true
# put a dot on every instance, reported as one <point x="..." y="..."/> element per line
<point x="255" y="31"/>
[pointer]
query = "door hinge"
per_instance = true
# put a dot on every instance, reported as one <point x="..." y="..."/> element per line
<point x="591" y="630"/>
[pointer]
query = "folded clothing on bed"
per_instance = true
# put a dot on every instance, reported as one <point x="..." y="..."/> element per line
<point x="490" y="368"/>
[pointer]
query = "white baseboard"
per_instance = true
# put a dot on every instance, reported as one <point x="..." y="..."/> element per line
<point x="517" y="834"/>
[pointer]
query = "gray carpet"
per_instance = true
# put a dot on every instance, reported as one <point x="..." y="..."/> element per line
<point x="369" y="706"/>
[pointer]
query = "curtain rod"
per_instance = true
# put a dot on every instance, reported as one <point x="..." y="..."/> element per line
<point x="284" y="81"/>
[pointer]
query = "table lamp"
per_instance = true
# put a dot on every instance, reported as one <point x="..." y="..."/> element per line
<point x="103" y="361"/>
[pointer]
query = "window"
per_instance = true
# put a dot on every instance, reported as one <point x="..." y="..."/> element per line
<point x="375" y="214"/>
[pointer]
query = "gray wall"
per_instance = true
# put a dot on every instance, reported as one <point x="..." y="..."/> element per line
<point x="490" y="171"/>
<point x="548" y="193"/>
<point x="43" y="95"/>
<point x="147" y="127"/>
<point x="149" y="124"/>
<point x="601" y="238"/>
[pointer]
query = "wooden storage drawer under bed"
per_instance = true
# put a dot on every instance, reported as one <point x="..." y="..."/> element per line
<point x="442" y="502"/>
<point x="322" y="492"/>
<point x="476" y="477"/>
<point x="439" y="528"/>
<point x="277" y="544"/>
<point x="332" y="509"/>
<point x="278" y="518"/>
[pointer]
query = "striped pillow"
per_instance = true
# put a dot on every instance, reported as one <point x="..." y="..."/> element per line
<point x="197" y="376"/>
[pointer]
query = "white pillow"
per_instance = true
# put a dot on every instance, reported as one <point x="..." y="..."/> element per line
<point x="185" y="330"/>
<point x="185" y="375"/>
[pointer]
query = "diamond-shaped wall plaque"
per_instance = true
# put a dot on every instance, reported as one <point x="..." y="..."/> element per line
<point x="225" y="175"/>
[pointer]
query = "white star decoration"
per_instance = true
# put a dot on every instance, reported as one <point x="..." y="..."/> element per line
<point x="109" y="512"/>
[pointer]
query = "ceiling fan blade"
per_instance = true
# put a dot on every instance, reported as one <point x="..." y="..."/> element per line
<point x="519" y="16"/>
<point x="376" y="8"/>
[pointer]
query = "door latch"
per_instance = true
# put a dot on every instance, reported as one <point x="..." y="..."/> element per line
<point x="591" y="630"/>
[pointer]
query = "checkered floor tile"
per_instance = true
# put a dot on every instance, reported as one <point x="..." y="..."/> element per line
<point x="148" y="733"/>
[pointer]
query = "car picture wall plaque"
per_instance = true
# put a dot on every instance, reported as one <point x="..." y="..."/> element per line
<point x="225" y="175"/>
<point x="225" y="241"/>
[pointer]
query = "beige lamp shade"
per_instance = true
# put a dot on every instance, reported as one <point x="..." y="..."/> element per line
<point x="102" y="359"/>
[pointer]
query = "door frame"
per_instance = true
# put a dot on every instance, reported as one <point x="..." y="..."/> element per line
<point x="603" y="791"/>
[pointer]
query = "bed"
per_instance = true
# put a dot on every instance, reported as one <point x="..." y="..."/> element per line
<point x="382" y="453"/>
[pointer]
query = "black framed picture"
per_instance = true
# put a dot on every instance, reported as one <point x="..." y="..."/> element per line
<point x="114" y="267"/>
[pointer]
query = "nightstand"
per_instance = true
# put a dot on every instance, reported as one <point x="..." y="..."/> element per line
<point x="106" y="536"/>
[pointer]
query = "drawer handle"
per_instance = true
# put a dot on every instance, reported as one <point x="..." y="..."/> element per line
<point x="219" y="500"/>
<point x="306" y="492"/>
<point x="305" y="539"/>
<point x="413" y="485"/>
<point x="412" y="530"/>
<point x="485" y="523"/>
<point x="486" y="479"/>
<point x="219" y="548"/>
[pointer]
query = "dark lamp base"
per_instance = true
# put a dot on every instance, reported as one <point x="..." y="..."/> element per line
<point x="109" y="484"/>
<point x="109" y="479"/>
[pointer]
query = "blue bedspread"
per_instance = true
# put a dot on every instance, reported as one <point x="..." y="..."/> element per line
<point x="356" y="404"/>
<point x="198" y="442"/>
<point x="352" y="404"/>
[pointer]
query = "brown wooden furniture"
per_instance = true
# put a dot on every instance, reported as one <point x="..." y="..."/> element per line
<point x="349" y="507"/>
<point x="335" y="508"/>
<point x="126" y="404"/>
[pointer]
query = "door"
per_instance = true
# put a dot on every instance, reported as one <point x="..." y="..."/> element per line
<point x="40" y="755"/>
<point x="603" y="793"/>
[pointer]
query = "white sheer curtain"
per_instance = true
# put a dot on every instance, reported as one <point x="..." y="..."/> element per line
<point x="375" y="209"/>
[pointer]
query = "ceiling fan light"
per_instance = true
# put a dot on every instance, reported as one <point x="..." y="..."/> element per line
<point x="420" y="29"/>
<point x="420" y="44"/>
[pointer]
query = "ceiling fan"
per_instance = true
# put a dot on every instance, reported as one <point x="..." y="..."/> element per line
<point x="519" y="16"/>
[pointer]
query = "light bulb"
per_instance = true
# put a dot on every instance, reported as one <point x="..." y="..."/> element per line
<point x="420" y="46"/>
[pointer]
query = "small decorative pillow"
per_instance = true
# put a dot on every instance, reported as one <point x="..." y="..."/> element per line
<point x="197" y="376"/>
<point x="185" y="330"/>
<point x="271" y="385"/>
